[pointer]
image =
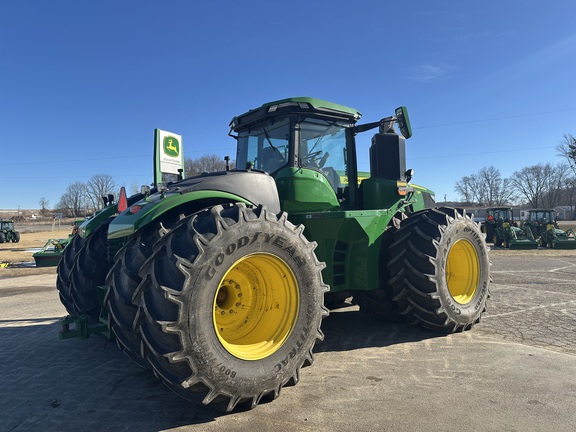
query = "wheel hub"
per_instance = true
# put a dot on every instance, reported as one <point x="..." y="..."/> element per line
<point x="463" y="271"/>
<point x="256" y="306"/>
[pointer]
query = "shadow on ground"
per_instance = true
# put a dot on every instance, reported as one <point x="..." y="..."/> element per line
<point x="80" y="383"/>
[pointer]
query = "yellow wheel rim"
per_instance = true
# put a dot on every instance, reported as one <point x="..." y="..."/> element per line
<point x="462" y="271"/>
<point x="256" y="306"/>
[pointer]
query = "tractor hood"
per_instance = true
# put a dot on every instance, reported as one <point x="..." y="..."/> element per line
<point x="251" y="187"/>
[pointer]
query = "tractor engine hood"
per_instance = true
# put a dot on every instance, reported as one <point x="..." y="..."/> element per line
<point x="246" y="186"/>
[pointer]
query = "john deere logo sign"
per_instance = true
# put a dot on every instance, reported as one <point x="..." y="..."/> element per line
<point x="171" y="146"/>
<point x="168" y="154"/>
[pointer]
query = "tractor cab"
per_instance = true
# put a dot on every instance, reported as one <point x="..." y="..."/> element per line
<point x="495" y="218"/>
<point x="308" y="146"/>
<point x="7" y="232"/>
<point x="542" y="216"/>
<point x="499" y="215"/>
<point x="7" y="225"/>
<point x="541" y="220"/>
<point x="543" y="224"/>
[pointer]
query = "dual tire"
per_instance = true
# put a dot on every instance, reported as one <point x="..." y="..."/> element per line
<point x="82" y="268"/>
<point x="231" y="303"/>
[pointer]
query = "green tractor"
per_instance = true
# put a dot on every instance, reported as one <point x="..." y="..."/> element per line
<point x="543" y="224"/>
<point x="500" y="227"/>
<point x="8" y="233"/>
<point x="219" y="282"/>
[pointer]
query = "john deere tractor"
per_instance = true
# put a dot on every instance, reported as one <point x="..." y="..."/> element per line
<point x="501" y="228"/>
<point x="219" y="282"/>
<point x="544" y="225"/>
<point x="8" y="233"/>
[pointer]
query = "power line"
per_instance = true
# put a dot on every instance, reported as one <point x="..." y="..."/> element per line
<point x="495" y="118"/>
<point x="481" y="153"/>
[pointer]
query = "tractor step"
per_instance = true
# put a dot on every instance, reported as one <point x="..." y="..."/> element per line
<point x="78" y="327"/>
<point x="74" y="326"/>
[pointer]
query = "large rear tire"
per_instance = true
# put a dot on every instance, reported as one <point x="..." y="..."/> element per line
<point x="63" y="282"/>
<point x="124" y="279"/>
<point x="89" y="271"/>
<point x="440" y="270"/>
<point x="232" y="301"/>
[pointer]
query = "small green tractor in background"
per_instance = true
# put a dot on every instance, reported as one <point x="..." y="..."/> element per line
<point x="8" y="233"/>
<point x="500" y="227"/>
<point x="220" y="282"/>
<point x="544" y="225"/>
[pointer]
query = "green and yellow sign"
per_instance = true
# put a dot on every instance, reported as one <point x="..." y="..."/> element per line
<point x="171" y="146"/>
<point x="168" y="154"/>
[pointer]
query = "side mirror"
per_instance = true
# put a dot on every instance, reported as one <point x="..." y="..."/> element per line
<point x="409" y="174"/>
<point x="403" y="121"/>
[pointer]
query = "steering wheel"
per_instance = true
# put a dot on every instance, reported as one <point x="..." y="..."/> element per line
<point x="312" y="158"/>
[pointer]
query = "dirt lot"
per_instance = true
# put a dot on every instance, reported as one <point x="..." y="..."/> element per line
<point x="513" y="372"/>
<point x="19" y="253"/>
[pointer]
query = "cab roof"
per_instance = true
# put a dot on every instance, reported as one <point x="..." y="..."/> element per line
<point x="295" y="105"/>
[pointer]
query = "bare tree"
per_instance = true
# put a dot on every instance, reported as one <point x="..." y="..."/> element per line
<point x="206" y="163"/>
<point x="541" y="185"/>
<point x="134" y="189"/>
<point x="98" y="186"/>
<point x="465" y="188"/>
<point x="485" y="188"/>
<point x="44" y="203"/>
<point x="72" y="201"/>
<point x="567" y="149"/>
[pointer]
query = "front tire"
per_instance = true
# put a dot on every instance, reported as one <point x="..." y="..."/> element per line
<point x="63" y="281"/>
<point x="441" y="271"/>
<point x="124" y="279"/>
<point x="232" y="302"/>
<point x="89" y="271"/>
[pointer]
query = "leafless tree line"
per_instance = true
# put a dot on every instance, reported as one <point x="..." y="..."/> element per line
<point x="81" y="199"/>
<point x="541" y="185"/>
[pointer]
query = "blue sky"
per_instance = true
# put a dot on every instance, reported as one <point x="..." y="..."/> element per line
<point x="83" y="84"/>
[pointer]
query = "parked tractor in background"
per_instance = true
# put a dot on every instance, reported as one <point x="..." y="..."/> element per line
<point x="500" y="227"/>
<point x="544" y="226"/>
<point x="8" y="233"/>
<point x="220" y="282"/>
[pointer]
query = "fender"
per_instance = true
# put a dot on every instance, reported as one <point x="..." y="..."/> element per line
<point x="145" y="211"/>
<point x="243" y="186"/>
